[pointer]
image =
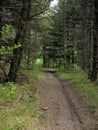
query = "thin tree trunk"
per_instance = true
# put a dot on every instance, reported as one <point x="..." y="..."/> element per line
<point x="95" y="45"/>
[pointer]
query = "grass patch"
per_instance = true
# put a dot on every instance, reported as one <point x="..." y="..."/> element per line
<point x="84" y="86"/>
<point x="20" y="113"/>
<point x="37" y="113"/>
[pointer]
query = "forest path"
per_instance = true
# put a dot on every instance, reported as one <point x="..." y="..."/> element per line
<point x="62" y="108"/>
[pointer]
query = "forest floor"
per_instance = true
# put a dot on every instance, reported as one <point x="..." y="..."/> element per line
<point x="43" y="101"/>
<point x="62" y="107"/>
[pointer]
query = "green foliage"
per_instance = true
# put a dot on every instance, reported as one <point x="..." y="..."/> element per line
<point x="39" y="62"/>
<point x="9" y="49"/>
<point x="8" y="89"/>
<point x="37" y="113"/>
<point x="4" y="50"/>
<point x="5" y="29"/>
<point x="13" y="88"/>
<point x="22" y="116"/>
<point x="10" y="127"/>
<point x="36" y="73"/>
<point x="20" y="124"/>
<point x="3" y="115"/>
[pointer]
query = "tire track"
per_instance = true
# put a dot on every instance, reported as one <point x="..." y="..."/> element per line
<point x="61" y="112"/>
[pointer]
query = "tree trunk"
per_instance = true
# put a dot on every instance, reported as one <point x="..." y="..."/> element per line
<point x="95" y="45"/>
<point x="1" y="1"/>
<point x="15" y="62"/>
<point x="20" y="37"/>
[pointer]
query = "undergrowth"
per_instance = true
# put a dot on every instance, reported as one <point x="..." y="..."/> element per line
<point x="83" y="85"/>
<point x="19" y="105"/>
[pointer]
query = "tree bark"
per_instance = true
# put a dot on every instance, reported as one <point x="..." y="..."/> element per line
<point x="95" y="45"/>
<point x="20" y="37"/>
<point x="15" y="62"/>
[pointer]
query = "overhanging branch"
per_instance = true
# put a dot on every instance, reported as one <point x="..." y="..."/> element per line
<point x="38" y="13"/>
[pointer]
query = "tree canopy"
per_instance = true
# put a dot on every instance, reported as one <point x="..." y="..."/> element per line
<point x="64" y="35"/>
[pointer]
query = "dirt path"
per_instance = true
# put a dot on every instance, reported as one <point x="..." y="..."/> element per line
<point x="62" y="109"/>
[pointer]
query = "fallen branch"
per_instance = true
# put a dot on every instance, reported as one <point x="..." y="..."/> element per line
<point x="16" y="102"/>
